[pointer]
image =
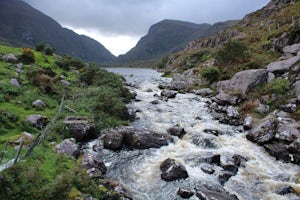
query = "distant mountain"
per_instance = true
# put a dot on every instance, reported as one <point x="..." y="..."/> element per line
<point x="169" y="36"/>
<point x="20" y="24"/>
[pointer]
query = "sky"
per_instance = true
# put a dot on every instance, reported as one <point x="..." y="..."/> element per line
<point x="119" y="24"/>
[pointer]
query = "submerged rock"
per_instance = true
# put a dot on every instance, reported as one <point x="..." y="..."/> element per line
<point x="172" y="170"/>
<point x="206" y="194"/>
<point x="89" y="162"/>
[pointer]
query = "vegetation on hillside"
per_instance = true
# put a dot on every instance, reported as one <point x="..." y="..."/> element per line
<point x="89" y="91"/>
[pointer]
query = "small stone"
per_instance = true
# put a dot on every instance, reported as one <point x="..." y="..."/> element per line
<point x="38" y="104"/>
<point x="248" y="123"/>
<point x="14" y="82"/>
<point x="208" y="169"/>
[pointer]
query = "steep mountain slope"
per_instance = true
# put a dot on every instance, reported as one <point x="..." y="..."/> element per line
<point x="169" y="36"/>
<point x="21" y="24"/>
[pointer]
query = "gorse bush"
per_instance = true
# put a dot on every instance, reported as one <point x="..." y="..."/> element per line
<point x="211" y="74"/>
<point x="233" y="51"/>
<point x="27" y="56"/>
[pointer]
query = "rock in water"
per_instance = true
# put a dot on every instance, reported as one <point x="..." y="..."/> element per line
<point x="168" y="93"/>
<point x="185" y="193"/>
<point x="113" y="140"/>
<point x="176" y="131"/>
<point x="171" y="170"/>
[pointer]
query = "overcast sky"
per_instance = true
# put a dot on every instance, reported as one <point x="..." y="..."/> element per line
<point x="119" y="24"/>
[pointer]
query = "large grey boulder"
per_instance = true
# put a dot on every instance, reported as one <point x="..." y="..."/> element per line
<point x="223" y="98"/>
<point x="244" y="81"/>
<point x="80" y="128"/>
<point x="293" y="49"/>
<point x="69" y="148"/>
<point x="288" y="130"/>
<point x="204" y="92"/>
<point x="279" y="67"/>
<point x="179" y="85"/>
<point x="264" y="132"/>
<point x="9" y="58"/>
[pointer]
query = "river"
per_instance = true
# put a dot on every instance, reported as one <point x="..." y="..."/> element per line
<point x="259" y="177"/>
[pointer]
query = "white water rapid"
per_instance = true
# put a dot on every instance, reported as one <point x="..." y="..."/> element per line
<point x="139" y="170"/>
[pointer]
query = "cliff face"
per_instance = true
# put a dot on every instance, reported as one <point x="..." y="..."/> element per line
<point x="20" y="24"/>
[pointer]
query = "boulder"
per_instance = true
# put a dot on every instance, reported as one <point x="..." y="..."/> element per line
<point x="224" y="176"/>
<point x="38" y="121"/>
<point x="223" y="98"/>
<point x="14" y="82"/>
<point x="279" y="151"/>
<point x="38" y="104"/>
<point x="232" y="112"/>
<point x="262" y="109"/>
<point x="185" y="193"/>
<point x="89" y="162"/>
<point x="293" y="49"/>
<point x="10" y="58"/>
<point x="176" y="131"/>
<point x="80" y="128"/>
<point x="290" y="107"/>
<point x="69" y="148"/>
<point x="172" y="170"/>
<point x="168" y="93"/>
<point x="155" y="102"/>
<point x="205" y="141"/>
<point x="280" y="67"/>
<point x="248" y="123"/>
<point x="212" y="158"/>
<point x="205" y="92"/>
<point x="244" y="81"/>
<point x="208" y="169"/>
<point x="139" y="138"/>
<point x="264" y="132"/>
<point x="113" y="140"/>
<point x="179" y="85"/>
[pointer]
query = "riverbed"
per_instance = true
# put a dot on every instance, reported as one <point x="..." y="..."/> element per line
<point x="260" y="176"/>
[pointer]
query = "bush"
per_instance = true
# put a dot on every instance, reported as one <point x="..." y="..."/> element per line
<point x="63" y="64"/>
<point x="232" y="52"/>
<point x="7" y="92"/>
<point x="76" y="63"/>
<point x="278" y="87"/>
<point x="49" y="51"/>
<point x="27" y="56"/>
<point x="212" y="74"/>
<point x="40" y="47"/>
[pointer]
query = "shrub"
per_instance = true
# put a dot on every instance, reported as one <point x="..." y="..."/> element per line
<point x="7" y="92"/>
<point x="212" y="74"/>
<point x="278" y="87"/>
<point x="27" y="56"/>
<point x="40" y="47"/>
<point x="76" y="63"/>
<point x="49" y="51"/>
<point x="232" y="52"/>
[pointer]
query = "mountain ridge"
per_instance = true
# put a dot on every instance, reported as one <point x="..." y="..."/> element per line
<point x="27" y="26"/>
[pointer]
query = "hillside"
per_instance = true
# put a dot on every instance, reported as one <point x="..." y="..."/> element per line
<point x="169" y="36"/>
<point x="22" y="25"/>
<point x="44" y="101"/>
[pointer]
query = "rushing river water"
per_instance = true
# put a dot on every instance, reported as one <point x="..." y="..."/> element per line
<point x="258" y="178"/>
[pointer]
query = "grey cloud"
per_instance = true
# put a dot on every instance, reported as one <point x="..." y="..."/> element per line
<point x="134" y="17"/>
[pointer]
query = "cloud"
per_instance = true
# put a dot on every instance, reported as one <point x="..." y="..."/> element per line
<point x="133" y="18"/>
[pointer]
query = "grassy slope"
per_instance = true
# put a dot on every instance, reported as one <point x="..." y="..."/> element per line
<point x="16" y="105"/>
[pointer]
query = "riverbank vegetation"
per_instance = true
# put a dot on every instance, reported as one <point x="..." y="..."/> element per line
<point x="33" y="83"/>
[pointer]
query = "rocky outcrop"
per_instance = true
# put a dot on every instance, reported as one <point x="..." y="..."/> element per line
<point x="133" y="138"/>
<point x="292" y="49"/>
<point x="279" y="67"/>
<point x="172" y="170"/>
<point x="80" y="128"/>
<point x="245" y="81"/>
<point x="69" y="148"/>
